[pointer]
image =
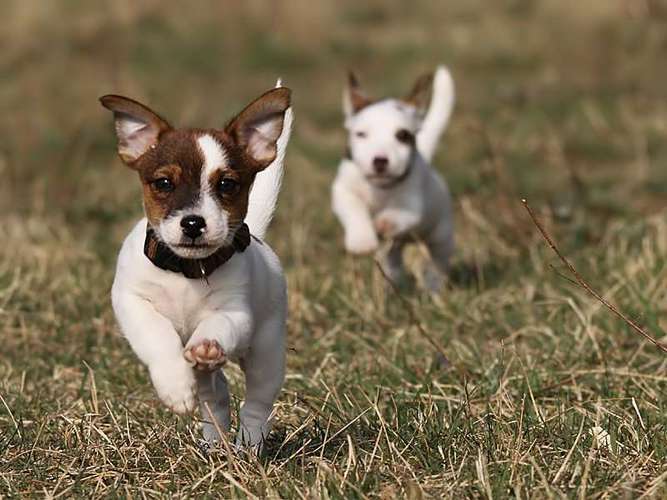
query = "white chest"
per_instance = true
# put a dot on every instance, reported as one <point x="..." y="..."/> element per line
<point x="184" y="302"/>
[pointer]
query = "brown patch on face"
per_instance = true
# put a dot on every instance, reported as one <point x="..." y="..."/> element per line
<point x="171" y="172"/>
<point x="178" y="159"/>
<point x="235" y="200"/>
<point x="157" y="202"/>
<point x="240" y="169"/>
<point x="406" y="137"/>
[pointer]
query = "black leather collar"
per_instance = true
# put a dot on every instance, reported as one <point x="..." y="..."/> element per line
<point x="164" y="258"/>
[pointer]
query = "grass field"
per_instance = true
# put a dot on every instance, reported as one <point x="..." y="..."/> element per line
<point x="543" y="392"/>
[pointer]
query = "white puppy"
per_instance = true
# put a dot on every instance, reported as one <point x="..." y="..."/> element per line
<point x="193" y="288"/>
<point x="385" y="187"/>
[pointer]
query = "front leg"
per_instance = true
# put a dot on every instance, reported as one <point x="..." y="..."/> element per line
<point x="157" y="344"/>
<point x="224" y="334"/>
<point x="360" y="236"/>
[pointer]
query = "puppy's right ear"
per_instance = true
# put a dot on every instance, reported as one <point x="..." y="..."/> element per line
<point x="419" y="94"/>
<point x="354" y="99"/>
<point x="137" y="127"/>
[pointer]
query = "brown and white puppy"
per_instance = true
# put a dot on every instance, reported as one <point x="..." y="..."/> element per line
<point x="193" y="289"/>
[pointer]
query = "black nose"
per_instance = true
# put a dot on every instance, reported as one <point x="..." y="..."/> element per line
<point x="380" y="164"/>
<point x="193" y="225"/>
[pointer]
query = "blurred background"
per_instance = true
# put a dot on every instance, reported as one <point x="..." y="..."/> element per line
<point x="563" y="102"/>
<point x="568" y="95"/>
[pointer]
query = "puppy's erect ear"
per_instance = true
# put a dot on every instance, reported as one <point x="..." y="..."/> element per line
<point x="354" y="99"/>
<point x="420" y="92"/>
<point x="137" y="127"/>
<point x="257" y="128"/>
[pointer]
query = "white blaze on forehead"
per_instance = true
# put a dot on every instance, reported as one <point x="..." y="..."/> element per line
<point x="217" y="229"/>
<point x="214" y="155"/>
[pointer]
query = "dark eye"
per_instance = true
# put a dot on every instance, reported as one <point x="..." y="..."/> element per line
<point x="163" y="185"/>
<point x="405" y="136"/>
<point x="360" y="134"/>
<point x="228" y="186"/>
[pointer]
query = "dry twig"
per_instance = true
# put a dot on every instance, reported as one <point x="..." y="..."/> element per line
<point x="583" y="284"/>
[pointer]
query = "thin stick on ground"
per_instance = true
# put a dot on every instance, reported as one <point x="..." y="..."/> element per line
<point x="413" y="314"/>
<point x="223" y="437"/>
<point x="583" y="284"/>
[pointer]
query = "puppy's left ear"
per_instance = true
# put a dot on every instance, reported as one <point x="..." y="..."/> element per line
<point x="257" y="128"/>
<point x="419" y="95"/>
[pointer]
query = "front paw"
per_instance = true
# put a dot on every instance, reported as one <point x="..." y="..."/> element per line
<point x="361" y="243"/>
<point x="386" y="227"/>
<point x="205" y="355"/>
<point x="175" y="385"/>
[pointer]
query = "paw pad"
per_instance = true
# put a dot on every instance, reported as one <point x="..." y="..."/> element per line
<point x="207" y="355"/>
<point x="385" y="227"/>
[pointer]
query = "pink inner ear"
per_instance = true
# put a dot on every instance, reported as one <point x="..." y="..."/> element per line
<point x="262" y="139"/>
<point x="135" y="136"/>
<point x="258" y="127"/>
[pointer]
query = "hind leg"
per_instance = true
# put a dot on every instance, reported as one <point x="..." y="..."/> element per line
<point x="392" y="262"/>
<point x="264" y="369"/>
<point x="213" y="394"/>
<point x="441" y="248"/>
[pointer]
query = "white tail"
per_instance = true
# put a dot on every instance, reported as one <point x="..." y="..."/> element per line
<point x="439" y="112"/>
<point x="265" y="189"/>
